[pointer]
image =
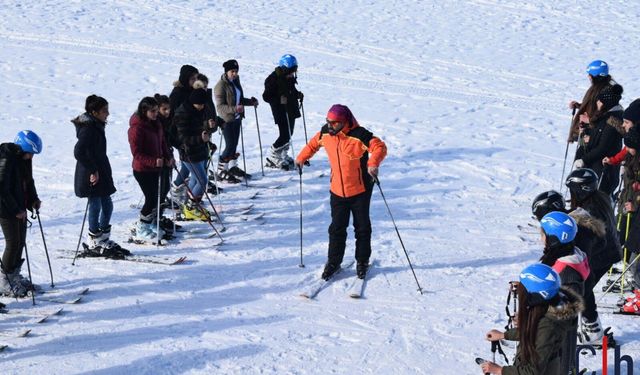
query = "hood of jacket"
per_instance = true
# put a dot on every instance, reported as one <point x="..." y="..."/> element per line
<point x="569" y="306"/>
<point x="584" y="219"/>
<point x="85" y="119"/>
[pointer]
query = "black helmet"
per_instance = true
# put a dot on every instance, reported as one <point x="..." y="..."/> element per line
<point x="582" y="182"/>
<point x="547" y="202"/>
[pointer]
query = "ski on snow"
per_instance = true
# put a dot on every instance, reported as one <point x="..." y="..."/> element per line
<point x="50" y="295"/>
<point x="356" y="288"/>
<point x="36" y="317"/>
<point x="318" y="285"/>
<point x="153" y="259"/>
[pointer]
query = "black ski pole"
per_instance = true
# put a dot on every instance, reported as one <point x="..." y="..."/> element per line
<point x="566" y="150"/>
<point x="244" y="161"/>
<point x="84" y="219"/>
<point x="293" y="152"/>
<point x="158" y="238"/>
<point x="255" y="110"/>
<point x="300" y="174"/>
<point x="215" y="181"/>
<point x="44" y="242"/>
<point x="304" y="122"/>
<point x="26" y="255"/>
<point x="377" y="181"/>
<point x="202" y="210"/>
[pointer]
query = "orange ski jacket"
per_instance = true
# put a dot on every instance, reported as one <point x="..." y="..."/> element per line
<point x="350" y="152"/>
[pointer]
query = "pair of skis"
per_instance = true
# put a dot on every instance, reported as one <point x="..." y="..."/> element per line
<point x="355" y="289"/>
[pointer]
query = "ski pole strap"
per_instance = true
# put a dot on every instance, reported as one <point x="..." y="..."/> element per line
<point x="495" y="346"/>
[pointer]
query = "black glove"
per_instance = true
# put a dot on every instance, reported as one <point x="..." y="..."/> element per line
<point x="254" y="101"/>
<point x="219" y="122"/>
<point x="300" y="96"/>
<point x="212" y="148"/>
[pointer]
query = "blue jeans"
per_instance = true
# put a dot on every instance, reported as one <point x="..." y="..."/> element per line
<point x="182" y="175"/>
<point x="231" y="132"/>
<point x="198" y="180"/>
<point x="100" y="209"/>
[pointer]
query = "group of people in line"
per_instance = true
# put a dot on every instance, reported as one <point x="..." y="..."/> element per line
<point x="556" y="306"/>
<point x="184" y="121"/>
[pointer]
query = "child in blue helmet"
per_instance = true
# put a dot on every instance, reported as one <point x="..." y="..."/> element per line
<point x="282" y="95"/>
<point x="17" y="195"/>
<point x="598" y="74"/>
<point x="546" y="311"/>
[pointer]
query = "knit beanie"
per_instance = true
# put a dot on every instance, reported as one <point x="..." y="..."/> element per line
<point x="186" y="71"/>
<point x="342" y="113"/>
<point x="632" y="113"/>
<point x="610" y="96"/>
<point x="230" y="65"/>
<point x="198" y="96"/>
<point x="632" y="138"/>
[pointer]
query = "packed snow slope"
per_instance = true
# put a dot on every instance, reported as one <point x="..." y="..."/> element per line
<point x="470" y="97"/>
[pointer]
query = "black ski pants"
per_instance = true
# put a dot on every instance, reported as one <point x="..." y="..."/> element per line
<point x="341" y="210"/>
<point x="280" y="118"/>
<point x="590" y="313"/>
<point x="148" y="182"/>
<point x="15" y="232"/>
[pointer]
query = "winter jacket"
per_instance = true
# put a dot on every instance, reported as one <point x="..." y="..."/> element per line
<point x="348" y="153"/>
<point x="179" y="95"/>
<point x="630" y="176"/>
<point x="601" y="209"/>
<point x="588" y="105"/>
<point x="90" y="152"/>
<point x="573" y="270"/>
<point x="605" y="139"/>
<point x="618" y="158"/>
<point x="225" y="95"/>
<point x="189" y="124"/>
<point x="552" y="345"/>
<point x="17" y="189"/>
<point x="147" y="143"/>
<point x="591" y="238"/>
<point x="276" y="85"/>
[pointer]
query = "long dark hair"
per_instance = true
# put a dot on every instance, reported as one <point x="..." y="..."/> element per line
<point x="528" y="320"/>
<point x="554" y="251"/>
<point x="597" y="204"/>
<point x="146" y="104"/>
<point x="161" y="99"/>
<point x="94" y="103"/>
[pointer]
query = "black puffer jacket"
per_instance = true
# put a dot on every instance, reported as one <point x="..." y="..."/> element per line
<point x="599" y="207"/>
<point x="17" y="190"/>
<point x="592" y="239"/>
<point x="605" y="140"/>
<point x="91" y="155"/>
<point x="276" y="85"/>
<point x="189" y="124"/>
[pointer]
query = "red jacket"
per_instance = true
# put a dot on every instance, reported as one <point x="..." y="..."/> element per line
<point x="348" y="153"/>
<point x="619" y="157"/>
<point x="147" y="142"/>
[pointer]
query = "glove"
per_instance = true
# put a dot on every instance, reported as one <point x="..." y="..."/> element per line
<point x="283" y="99"/>
<point x="219" y="122"/>
<point x="578" y="164"/>
<point x="254" y="101"/>
<point x="212" y="148"/>
<point x="300" y="96"/>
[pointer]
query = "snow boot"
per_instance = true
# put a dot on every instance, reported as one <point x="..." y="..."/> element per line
<point x="224" y="175"/>
<point x="194" y="211"/>
<point x="362" y="268"/>
<point x="329" y="269"/>
<point x="590" y="333"/>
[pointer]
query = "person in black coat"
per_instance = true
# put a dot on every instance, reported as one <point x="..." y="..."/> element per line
<point x="17" y="195"/>
<point x="282" y="95"/>
<point x="93" y="178"/>
<point x="183" y="86"/>
<point x="602" y="133"/>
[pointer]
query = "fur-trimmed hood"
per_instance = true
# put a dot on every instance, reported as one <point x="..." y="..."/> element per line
<point x="571" y="303"/>
<point x="616" y="121"/>
<point x="584" y="219"/>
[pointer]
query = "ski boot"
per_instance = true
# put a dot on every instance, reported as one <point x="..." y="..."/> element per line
<point x="10" y="288"/>
<point x="361" y="269"/>
<point x="329" y="269"/>
<point x="224" y="175"/>
<point x="590" y="333"/>
<point x="235" y="171"/>
<point x="275" y="158"/>
<point x="194" y="211"/>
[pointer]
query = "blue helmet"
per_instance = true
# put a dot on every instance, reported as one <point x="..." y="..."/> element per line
<point x="559" y="225"/>
<point x="541" y="282"/>
<point x="288" y="61"/>
<point x="29" y="142"/>
<point x="598" y="68"/>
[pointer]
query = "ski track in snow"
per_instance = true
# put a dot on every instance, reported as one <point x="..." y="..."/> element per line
<point x="470" y="97"/>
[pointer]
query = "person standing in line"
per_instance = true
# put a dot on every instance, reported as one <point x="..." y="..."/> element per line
<point x="17" y="195"/>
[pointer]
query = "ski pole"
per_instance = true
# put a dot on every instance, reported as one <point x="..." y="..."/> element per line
<point x="158" y="239"/>
<point x="26" y="255"/>
<point x="84" y="219"/>
<point x="304" y="123"/>
<point x="204" y="191"/>
<point x="215" y="181"/>
<point x="244" y="161"/>
<point x="202" y="210"/>
<point x="566" y="150"/>
<point x="619" y="277"/>
<point x="255" y="110"/>
<point x="172" y="203"/>
<point x="44" y="242"/>
<point x="300" y="174"/>
<point x="293" y="152"/>
<point x="377" y="181"/>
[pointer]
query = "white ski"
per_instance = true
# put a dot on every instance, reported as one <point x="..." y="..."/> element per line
<point x="318" y="285"/>
<point x="357" y="287"/>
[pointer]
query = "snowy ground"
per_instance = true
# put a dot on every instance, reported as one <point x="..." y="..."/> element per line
<point x="470" y="97"/>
